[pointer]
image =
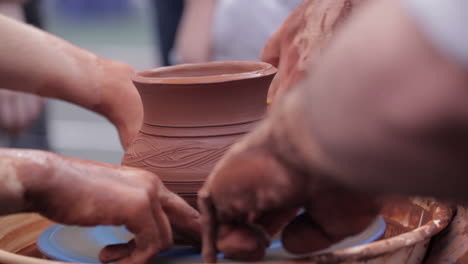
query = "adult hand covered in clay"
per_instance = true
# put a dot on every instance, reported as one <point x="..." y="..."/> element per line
<point x="384" y="118"/>
<point x="256" y="191"/>
<point x="77" y="192"/>
<point x="18" y="110"/>
<point x="295" y="47"/>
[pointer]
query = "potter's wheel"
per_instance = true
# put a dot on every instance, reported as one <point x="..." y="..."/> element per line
<point x="82" y="244"/>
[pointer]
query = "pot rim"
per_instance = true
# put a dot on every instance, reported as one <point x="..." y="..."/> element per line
<point x="264" y="69"/>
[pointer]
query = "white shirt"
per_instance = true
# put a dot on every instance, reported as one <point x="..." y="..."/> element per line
<point x="242" y="27"/>
<point x="445" y="23"/>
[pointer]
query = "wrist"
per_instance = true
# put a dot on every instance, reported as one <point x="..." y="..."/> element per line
<point x="102" y="101"/>
<point x="76" y="79"/>
<point x="290" y="136"/>
<point x="297" y="145"/>
<point x="119" y="100"/>
<point x="101" y="94"/>
<point x="292" y="141"/>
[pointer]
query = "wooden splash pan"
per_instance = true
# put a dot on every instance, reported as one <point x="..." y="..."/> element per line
<point x="411" y="223"/>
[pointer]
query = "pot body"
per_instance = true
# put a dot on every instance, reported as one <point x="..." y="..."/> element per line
<point x="182" y="163"/>
<point x="192" y="115"/>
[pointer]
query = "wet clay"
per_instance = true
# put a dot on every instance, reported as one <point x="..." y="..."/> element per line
<point x="193" y="113"/>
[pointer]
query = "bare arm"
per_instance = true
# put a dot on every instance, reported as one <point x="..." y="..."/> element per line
<point x="36" y="62"/>
<point x="78" y="192"/>
<point x="47" y="62"/>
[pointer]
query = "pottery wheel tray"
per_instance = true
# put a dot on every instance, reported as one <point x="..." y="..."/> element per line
<point x="82" y="244"/>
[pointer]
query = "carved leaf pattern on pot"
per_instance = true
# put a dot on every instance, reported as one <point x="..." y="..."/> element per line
<point x="146" y="152"/>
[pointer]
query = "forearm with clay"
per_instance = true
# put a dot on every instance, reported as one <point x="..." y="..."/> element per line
<point x="20" y="170"/>
<point x="27" y="175"/>
<point x="388" y="118"/>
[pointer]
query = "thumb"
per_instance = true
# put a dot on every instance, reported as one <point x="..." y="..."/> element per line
<point x="126" y="135"/>
<point x="249" y="241"/>
<point x="271" y="52"/>
<point x="273" y="89"/>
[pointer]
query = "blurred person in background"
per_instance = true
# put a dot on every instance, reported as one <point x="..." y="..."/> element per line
<point x="22" y="115"/>
<point x="167" y="16"/>
<point x="226" y="30"/>
<point x="86" y="9"/>
<point x="33" y="13"/>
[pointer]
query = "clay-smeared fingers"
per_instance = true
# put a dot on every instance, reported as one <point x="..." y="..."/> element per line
<point x="300" y="41"/>
<point x="152" y="234"/>
<point x="146" y="219"/>
<point x="111" y="195"/>
<point x="278" y="50"/>
<point x="184" y="218"/>
<point x="272" y="51"/>
<point x="164" y="230"/>
<point x="249" y="241"/>
<point x="242" y="242"/>
<point x="148" y="243"/>
<point x="242" y="186"/>
<point x="209" y="225"/>
<point x="112" y="253"/>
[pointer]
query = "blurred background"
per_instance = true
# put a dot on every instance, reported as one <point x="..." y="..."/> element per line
<point x="143" y="33"/>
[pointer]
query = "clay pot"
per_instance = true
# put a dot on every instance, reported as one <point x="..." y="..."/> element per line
<point x="193" y="113"/>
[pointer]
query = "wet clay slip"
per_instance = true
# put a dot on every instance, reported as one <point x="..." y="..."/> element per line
<point x="193" y="113"/>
